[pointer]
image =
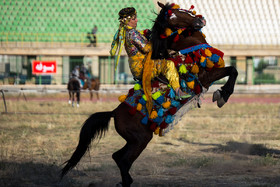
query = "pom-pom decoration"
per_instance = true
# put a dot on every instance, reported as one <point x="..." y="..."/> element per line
<point x="183" y="69"/>
<point x="137" y="87"/>
<point x="157" y="131"/>
<point x="168" y="32"/>
<point x="154" y="114"/>
<point x="190" y="84"/>
<point x="160" y="112"/>
<point x="195" y="69"/>
<point x="144" y="120"/>
<point x="160" y="100"/>
<point x="209" y="63"/>
<point x="208" y="52"/>
<point x="171" y="93"/>
<point x="166" y="104"/>
<point x="139" y="107"/>
<point x="169" y="119"/>
<point x="156" y="95"/>
<point x="142" y="101"/>
<point x="122" y="98"/>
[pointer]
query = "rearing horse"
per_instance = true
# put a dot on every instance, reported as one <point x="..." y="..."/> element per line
<point x="129" y="126"/>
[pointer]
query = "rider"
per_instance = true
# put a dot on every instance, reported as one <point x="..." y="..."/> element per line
<point x="76" y="74"/>
<point x="137" y="47"/>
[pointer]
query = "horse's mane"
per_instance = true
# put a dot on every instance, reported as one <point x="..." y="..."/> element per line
<point x="159" y="45"/>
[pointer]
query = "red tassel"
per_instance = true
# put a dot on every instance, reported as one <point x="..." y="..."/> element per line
<point x="163" y="125"/>
<point x="192" y="7"/>
<point x="188" y="60"/>
<point x="131" y="92"/>
<point x="176" y="38"/>
<point x="132" y="111"/>
<point x="202" y="52"/>
<point x="153" y="126"/>
<point x="196" y="53"/>
<point x="172" y="111"/>
<point x="197" y="89"/>
<point x="169" y="12"/>
<point x="177" y="60"/>
<point x="163" y="36"/>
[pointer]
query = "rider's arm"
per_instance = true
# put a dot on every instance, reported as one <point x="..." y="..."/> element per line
<point x="140" y="42"/>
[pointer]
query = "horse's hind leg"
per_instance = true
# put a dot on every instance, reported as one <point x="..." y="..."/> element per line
<point x="69" y="101"/>
<point x="137" y="137"/>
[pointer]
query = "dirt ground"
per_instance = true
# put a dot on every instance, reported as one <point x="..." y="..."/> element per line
<point x="235" y="146"/>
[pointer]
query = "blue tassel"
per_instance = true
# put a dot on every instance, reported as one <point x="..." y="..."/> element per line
<point x="183" y="83"/>
<point x="142" y="101"/>
<point x="214" y="58"/>
<point x="169" y="119"/>
<point x="160" y="100"/>
<point x="171" y="93"/>
<point x="144" y="120"/>
<point x="158" y="120"/>
<point x="175" y="103"/>
<point x="203" y="64"/>
<point x="160" y="112"/>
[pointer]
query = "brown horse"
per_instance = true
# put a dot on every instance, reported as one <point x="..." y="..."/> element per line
<point x="92" y="84"/>
<point x="129" y="126"/>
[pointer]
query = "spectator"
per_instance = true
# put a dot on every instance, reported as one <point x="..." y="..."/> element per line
<point x="92" y="37"/>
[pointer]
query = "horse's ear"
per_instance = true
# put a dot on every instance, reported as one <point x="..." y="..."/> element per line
<point x="160" y="4"/>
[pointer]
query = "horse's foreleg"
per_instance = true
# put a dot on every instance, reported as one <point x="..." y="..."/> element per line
<point x="73" y="97"/>
<point x="78" y="98"/>
<point x="207" y="78"/>
<point x="91" y="94"/>
<point x="69" y="101"/>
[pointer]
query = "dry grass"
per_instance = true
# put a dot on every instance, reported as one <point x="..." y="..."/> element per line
<point x="238" y="145"/>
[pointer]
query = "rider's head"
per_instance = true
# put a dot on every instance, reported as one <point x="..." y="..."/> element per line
<point x="127" y="15"/>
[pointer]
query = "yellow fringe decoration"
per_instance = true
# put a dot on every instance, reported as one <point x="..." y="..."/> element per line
<point x="208" y="52"/>
<point x="209" y="63"/>
<point x="166" y="104"/>
<point x="157" y="131"/>
<point x="122" y="98"/>
<point x="139" y="107"/>
<point x="154" y="114"/>
<point x="180" y="31"/>
<point x="190" y="84"/>
<point x="168" y="31"/>
<point x="146" y="80"/>
<point x="195" y="69"/>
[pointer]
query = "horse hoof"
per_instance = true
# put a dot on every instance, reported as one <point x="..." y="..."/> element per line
<point x="216" y="95"/>
<point x="221" y="102"/>
<point x="78" y="105"/>
<point x="69" y="102"/>
<point x="119" y="184"/>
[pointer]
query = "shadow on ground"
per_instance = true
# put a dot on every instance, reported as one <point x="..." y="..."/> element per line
<point x="32" y="174"/>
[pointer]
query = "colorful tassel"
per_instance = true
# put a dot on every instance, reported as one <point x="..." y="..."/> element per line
<point x="157" y="131"/>
<point x="168" y="32"/>
<point x="209" y="63"/>
<point x="214" y="58"/>
<point x="137" y="87"/>
<point x="171" y="93"/>
<point x="154" y="114"/>
<point x="164" y="125"/>
<point x="139" y="107"/>
<point x="190" y="84"/>
<point x="156" y="95"/>
<point x="208" y="52"/>
<point x="160" y="100"/>
<point x="160" y="112"/>
<point x="167" y="104"/>
<point x="169" y="119"/>
<point x="195" y="69"/>
<point x="142" y="101"/>
<point x="172" y="111"/>
<point x="183" y="69"/>
<point x="221" y="63"/>
<point x="153" y="126"/>
<point x="122" y="98"/>
<point x="176" y="38"/>
<point x="183" y="84"/>
<point x="157" y="120"/>
<point x="144" y="120"/>
<point x="175" y="103"/>
<point x="188" y="60"/>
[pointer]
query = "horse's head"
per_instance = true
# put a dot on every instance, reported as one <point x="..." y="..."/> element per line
<point x="171" y="21"/>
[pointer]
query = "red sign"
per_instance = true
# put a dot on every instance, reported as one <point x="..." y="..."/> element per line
<point x="43" y="67"/>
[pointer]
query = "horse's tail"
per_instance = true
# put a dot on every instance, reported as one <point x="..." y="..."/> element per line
<point x="93" y="128"/>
